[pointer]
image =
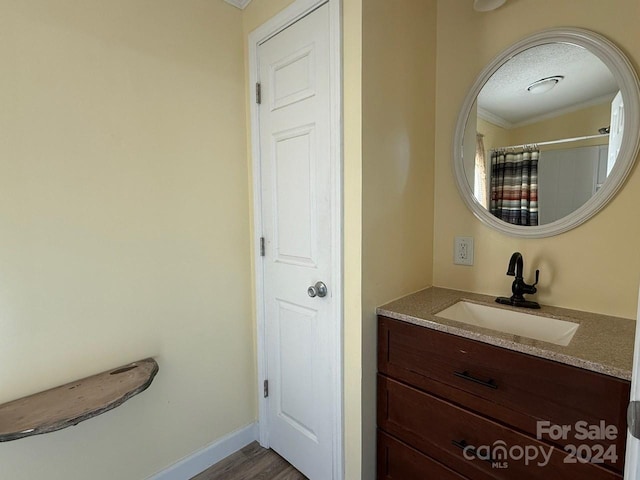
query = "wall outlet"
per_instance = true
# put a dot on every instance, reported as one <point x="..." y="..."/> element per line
<point x="463" y="251"/>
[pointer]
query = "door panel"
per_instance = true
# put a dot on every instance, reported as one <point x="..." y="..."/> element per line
<point x="295" y="228"/>
<point x="293" y="78"/>
<point x="297" y="337"/>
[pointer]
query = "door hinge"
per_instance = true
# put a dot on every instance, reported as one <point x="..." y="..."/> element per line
<point x="262" y="246"/>
<point x="258" y="93"/>
<point x="266" y="388"/>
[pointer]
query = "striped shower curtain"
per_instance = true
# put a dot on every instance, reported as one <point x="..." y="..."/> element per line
<point x="514" y="186"/>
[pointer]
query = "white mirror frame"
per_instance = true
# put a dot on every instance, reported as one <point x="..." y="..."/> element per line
<point x="627" y="79"/>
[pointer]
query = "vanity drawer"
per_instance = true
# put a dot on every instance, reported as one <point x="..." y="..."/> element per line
<point x="511" y="387"/>
<point x="398" y="461"/>
<point x="440" y="430"/>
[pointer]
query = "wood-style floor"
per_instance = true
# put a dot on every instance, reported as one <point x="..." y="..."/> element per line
<point x="252" y="463"/>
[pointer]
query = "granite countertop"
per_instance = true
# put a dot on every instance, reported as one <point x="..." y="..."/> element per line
<point x="602" y="343"/>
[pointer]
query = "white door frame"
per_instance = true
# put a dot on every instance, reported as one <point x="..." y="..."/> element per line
<point x="288" y="16"/>
<point x="632" y="456"/>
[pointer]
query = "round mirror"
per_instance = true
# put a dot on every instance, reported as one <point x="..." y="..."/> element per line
<point x="548" y="133"/>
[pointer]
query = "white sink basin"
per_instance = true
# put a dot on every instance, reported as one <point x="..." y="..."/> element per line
<point x="558" y="332"/>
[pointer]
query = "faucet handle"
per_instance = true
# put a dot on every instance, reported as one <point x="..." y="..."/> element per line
<point x="537" y="278"/>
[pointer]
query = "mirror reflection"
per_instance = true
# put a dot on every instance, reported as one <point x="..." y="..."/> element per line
<point x="543" y="134"/>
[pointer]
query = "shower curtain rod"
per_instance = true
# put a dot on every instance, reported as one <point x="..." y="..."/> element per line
<point x="553" y="142"/>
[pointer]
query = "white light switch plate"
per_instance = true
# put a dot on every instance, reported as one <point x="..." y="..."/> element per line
<point x="463" y="251"/>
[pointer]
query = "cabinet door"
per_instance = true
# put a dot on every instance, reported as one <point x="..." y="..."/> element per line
<point x="398" y="461"/>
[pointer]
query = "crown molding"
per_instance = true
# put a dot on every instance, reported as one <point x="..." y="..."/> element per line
<point x="241" y="4"/>
<point x="501" y="122"/>
<point x="563" y="111"/>
<point x="493" y="118"/>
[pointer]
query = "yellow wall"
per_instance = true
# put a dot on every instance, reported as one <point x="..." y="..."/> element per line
<point x="494" y="136"/>
<point x="352" y="231"/>
<point x="125" y="223"/>
<point x="585" y="268"/>
<point x="398" y="110"/>
<point x="124" y="226"/>
<point x="580" y="123"/>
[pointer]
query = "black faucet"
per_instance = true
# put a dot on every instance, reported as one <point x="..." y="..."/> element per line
<point x="519" y="287"/>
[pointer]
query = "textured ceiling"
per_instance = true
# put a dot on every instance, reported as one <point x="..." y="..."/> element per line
<point x="504" y="99"/>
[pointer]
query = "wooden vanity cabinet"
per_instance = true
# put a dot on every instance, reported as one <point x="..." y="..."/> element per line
<point x="439" y="393"/>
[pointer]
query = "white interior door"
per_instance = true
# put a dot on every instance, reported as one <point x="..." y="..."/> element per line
<point x="294" y="122"/>
<point x="632" y="456"/>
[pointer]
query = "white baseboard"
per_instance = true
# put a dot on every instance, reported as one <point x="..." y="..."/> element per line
<point x="201" y="460"/>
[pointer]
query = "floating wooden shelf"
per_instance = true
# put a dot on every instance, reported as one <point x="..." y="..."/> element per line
<point x="74" y="402"/>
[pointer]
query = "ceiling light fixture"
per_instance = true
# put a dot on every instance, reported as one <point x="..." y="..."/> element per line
<point x="544" y="85"/>
<point x="487" y="5"/>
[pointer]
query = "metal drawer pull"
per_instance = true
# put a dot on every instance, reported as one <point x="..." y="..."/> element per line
<point x="465" y="447"/>
<point x="467" y="376"/>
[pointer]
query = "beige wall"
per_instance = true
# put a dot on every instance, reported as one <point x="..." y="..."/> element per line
<point x="124" y="226"/>
<point x="494" y="136"/>
<point x="585" y="268"/>
<point x="352" y="231"/>
<point x="125" y="223"/>
<point x="580" y="123"/>
<point x="398" y="112"/>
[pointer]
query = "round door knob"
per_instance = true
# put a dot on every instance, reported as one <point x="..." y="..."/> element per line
<point x="317" y="290"/>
